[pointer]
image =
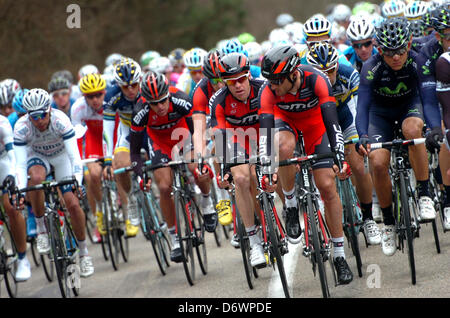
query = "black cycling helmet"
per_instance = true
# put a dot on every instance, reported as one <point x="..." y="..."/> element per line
<point x="232" y="64"/>
<point x="440" y="18"/>
<point x="58" y="83"/>
<point x="154" y="86"/>
<point x="279" y="62"/>
<point x="211" y="64"/>
<point x="393" y="33"/>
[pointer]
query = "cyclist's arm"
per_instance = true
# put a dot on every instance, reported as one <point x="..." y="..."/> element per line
<point x="200" y="103"/>
<point x="20" y="153"/>
<point x="267" y="102"/>
<point x="443" y="88"/>
<point x="70" y="143"/>
<point x="364" y="99"/>
<point x="218" y="125"/>
<point x="137" y="131"/>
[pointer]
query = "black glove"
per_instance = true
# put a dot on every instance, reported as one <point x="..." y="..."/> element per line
<point x="433" y="138"/>
<point x="364" y="141"/>
<point x="9" y="183"/>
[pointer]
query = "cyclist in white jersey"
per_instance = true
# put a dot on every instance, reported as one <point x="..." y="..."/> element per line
<point x="16" y="220"/>
<point x="45" y="137"/>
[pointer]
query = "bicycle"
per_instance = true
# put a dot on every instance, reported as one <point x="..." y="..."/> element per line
<point x="189" y="220"/>
<point x="405" y="201"/>
<point x="152" y="224"/>
<point x="275" y="242"/>
<point x="436" y="192"/>
<point x="63" y="244"/>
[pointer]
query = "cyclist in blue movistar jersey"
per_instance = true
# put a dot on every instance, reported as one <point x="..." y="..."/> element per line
<point x="415" y="12"/>
<point x="345" y="82"/>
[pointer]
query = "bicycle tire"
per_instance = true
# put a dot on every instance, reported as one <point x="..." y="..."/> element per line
<point x="275" y="244"/>
<point x="407" y="223"/>
<point x="244" y="245"/>
<point x="34" y="252"/>
<point x="317" y="246"/>
<point x="164" y="232"/>
<point x="10" y="251"/>
<point x="199" y="236"/>
<point x="184" y="237"/>
<point x="47" y="265"/>
<point x="111" y="236"/>
<point x="123" y="239"/>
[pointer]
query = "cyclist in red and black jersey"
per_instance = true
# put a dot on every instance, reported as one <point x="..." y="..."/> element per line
<point x="234" y="119"/>
<point x="165" y="112"/>
<point x="299" y="98"/>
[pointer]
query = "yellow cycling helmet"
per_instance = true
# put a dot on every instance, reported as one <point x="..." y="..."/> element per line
<point x="92" y="83"/>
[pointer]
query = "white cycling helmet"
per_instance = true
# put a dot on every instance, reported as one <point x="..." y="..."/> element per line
<point x="87" y="69"/>
<point x="284" y="19"/>
<point x="193" y="59"/>
<point x="360" y="29"/>
<point x="8" y="89"/>
<point x="37" y="99"/>
<point x="277" y="35"/>
<point x="254" y="50"/>
<point x="416" y="9"/>
<point x="393" y="8"/>
<point x="266" y="46"/>
<point x="341" y="12"/>
<point x="160" y="65"/>
<point x="317" y="25"/>
<point x="113" y="59"/>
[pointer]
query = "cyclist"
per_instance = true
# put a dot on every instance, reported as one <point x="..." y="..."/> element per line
<point x="8" y="89"/>
<point x="162" y="65"/>
<point x="299" y="98"/>
<point x="88" y="111"/>
<point x="120" y="99"/>
<point x="193" y="60"/>
<point x="360" y="32"/>
<point x="8" y="179"/>
<point x="393" y="8"/>
<point x="389" y="91"/>
<point x="73" y="87"/>
<point x="17" y="104"/>
<point x="234" y="46"/>
<point x="45" y="138"/>
<point x="235" y="108"/>
<point x="165" y="112"/>
<point x="345" y="83"/>
<point x="443" y="94"/>
<point x="204" y="90"/>
<point x="60" y="88"/>
<point x="176" y="60"/>
<point x="146" y="58"/>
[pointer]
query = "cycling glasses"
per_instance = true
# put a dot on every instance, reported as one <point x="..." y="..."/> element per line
<point x="61" y="92"/>
<point x="133" y="86"/>
<point x="363" y="44"/>
<point x="39" y="114"/>
<point x="277" y="81"/>
<point x="392" y="53"/>
<point x="445" y="37"/>
<point x="95" y="95"/>
<point x="215" y="81"/>
<point x="330" y="70"/>
<point x="232" y="81"/>
<point x="311" y="43"/>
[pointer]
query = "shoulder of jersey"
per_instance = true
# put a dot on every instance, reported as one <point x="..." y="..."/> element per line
<point x="446" y="56"/>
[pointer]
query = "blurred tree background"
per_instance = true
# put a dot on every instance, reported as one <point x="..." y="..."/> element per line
<point x="35" y="40"/>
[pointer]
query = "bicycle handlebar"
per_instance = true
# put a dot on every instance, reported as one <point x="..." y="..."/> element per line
<point x="397" y="143"/>
<point x="50" y="184"/>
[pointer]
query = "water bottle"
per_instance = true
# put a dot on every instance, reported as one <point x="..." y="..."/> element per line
<point x="61" y="220"/>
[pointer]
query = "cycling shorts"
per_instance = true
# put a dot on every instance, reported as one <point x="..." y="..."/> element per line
<point x="123" y="138"/>
<point x="346" y="116"/>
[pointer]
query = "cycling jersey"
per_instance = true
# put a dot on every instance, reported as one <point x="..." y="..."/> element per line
<point x="419" y="43"/>
<point x="84" y="115"/>
<point x="7" y="158"/>
<point x="13" y="118"/>
<point x="71" y="101"/>
<point x="354" y="59"/>
<point x="312" y="111"/>
<point x="202" y="93"/>
<point x="115" y="102"/>
<point x="384" y="89"/>
<point x="240" y="118"/>
<point x="55" y="146"/>
<point x="345" y="90"/>
<point x="164" y="131"/>
<point x="186" y="83"/>
<point x="443" y="89"/>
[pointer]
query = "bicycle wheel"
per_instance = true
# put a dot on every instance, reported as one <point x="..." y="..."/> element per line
<point x="199" y="233"/>
<point x="184" y="237"/>
<point x="34" y="252"/>
<point x="47" y="265"/>
<point x="406" y="217"/>
<point x="112" y="235"/>
<point x="10" y="262"/>
<point x="275" y="240"/>
<point x="244" y="245"/>
<point x="318" y="249"/>
<point x="90" y="224"/>
<point x="123" y="239"/>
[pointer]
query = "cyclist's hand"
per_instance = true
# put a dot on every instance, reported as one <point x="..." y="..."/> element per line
<point x="433" y="138"/>
<point x="206" y="174"/>
<point x="363" y="146"/>
<point x="107" y="173"/>
<point x="225" y="183"/>
<point x="268" y="186"/>
<point x="145" y="186"/>
<point x="344" y="173"/>
<point x="17" y="201"/>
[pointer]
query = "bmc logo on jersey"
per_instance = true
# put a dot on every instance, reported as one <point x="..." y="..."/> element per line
<point x="181" y="102"/>
<point x="250" y="119"/>
<point x="140" y="115"/>
<point x="298" y="107"/>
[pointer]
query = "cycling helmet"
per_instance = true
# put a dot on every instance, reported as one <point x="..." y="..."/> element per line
<point x="277" y="35"/>
<point x="58" y="83"/>
<point x="341" y="12"/>
<point x="92" y="83"/>
<point x="255" y="52"/>
<point x="284" y="19"/>
<point x="87" y="69"/>
<point x="232" y="64"/>
<point x="416" y="9"/>
<point x="417" y="27"/>
<point x="64" y="73"/>
<point x="234" y="46"/>
<point x="8" y="89"/>
<point x="36" y="99"/>
<point x="127" y="72"/>
<point x="17" y="102"/>
<point x="246" y="37"/>
<point x="279" y="62"/>
<point x="360" y="29"/>
<point x="176" y="56"/>
<point x="393" y="8"/>
<point x="316" y="26"/>
<point x="393" y="33"/>
<point x="193" y="59"/>
<point x="440" y="18"/>
<point x="363" y="7"/>
<point x="322" y="55"/>
<point x="147" y="57"/>
<point x="113" y="59"/>
<point x="161" y="65"/>
<point x="211" y="64"/>
<point x="154" y="86"/>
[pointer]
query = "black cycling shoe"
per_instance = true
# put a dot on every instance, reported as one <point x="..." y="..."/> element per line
<point x="293" y="228"/>
<point x="176" y="255"/>
<point x="210" y="221"/>
<point x="344" y="274"/>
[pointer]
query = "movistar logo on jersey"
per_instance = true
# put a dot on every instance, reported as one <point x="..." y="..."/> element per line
<point x="370" y="76"/>
<point x="426" y="70"/>
<point x="401" y="87"/>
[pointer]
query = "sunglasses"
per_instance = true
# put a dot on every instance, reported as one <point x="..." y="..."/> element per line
<point x="330" y="70"/>
<point x="360" y="45"/>
<point x="277" y="81"/>
<point x="133" y="86"/>
<point x="62" y="92"/>
<point x="161" y="101"/>
<point x="312" y="43"/>
<point x="445" y="37"/>
<point x="392" y="53"/>
<point x="92" y="96"/>
<point x="194" y="72"/>
<point x="38" y="115"/>
<point x="215" y="81"/>
<point x="232" y="81"/>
